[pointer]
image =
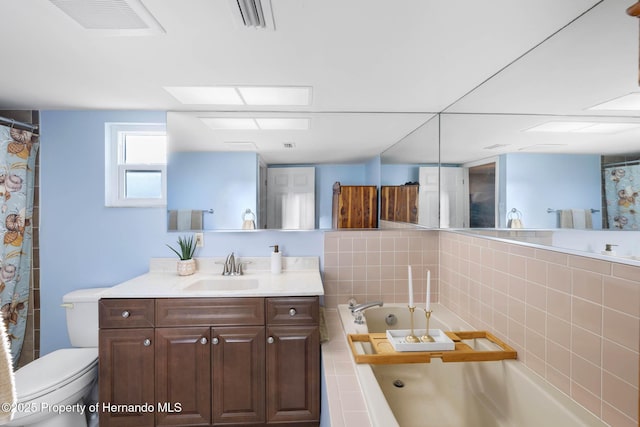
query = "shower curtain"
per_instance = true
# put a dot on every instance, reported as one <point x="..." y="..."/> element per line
<point x="18" y="149"/>
<point x="622" y="185"/>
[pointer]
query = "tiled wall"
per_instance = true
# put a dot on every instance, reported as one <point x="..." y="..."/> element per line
<point x="372" y="265"/>
<point x="574" y="320"/>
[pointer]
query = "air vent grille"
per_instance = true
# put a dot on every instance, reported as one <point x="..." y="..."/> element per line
<point x="253" y="13"/>
<point x="119" y="16"/>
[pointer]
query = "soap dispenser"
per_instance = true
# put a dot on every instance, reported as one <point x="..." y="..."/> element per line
<point x="276" y="260"/>
<point x="608" y="250"/>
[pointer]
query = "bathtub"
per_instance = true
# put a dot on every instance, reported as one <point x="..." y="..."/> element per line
<point x="455" y="394"/>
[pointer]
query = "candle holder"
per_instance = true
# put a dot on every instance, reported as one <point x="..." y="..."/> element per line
<point x="411" y="338"/>
<point x="426" y="337"/>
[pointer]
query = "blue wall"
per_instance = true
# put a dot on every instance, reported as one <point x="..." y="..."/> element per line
<point x="535" y="182"/>
<point x="399" y="174"/>
<point x="224" y="182"/>
<point x="84" y="244"/>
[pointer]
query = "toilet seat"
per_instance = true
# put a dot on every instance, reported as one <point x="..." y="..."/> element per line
<point x="53" y="371"/>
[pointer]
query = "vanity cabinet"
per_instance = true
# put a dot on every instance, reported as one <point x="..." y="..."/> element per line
<point x="126" y="368"/>
<point x="212" y="361"/>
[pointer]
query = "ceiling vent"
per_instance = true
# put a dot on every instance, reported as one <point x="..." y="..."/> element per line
<point x="253" y="13"/>
<point x="113" y="17"/>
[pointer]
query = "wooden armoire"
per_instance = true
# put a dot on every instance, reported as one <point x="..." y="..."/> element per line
<point x="355" y="206"/>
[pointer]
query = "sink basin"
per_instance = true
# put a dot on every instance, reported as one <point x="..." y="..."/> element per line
<point x="223" y="284"/>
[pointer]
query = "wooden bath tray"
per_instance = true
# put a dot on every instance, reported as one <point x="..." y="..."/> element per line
<point x="385" y="354"/>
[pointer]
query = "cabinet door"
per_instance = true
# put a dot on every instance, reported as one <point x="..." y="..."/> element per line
<point x="126" y="377"/>
<point x="183" y="373"/>
<point x="238" y="374"/>
<point x="293" y="373"/>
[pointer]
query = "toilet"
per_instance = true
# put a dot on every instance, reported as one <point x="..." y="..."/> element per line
<point x="55" y="390"/>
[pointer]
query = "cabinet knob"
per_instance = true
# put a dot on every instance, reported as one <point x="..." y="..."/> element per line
<point x="292" y="312"/>
<point x="203" y="340"/>
<point x="270" y="340"/>
<point x="215" y="341"/>
<point x="126" y="314"/>
<point x="146" y="342"/>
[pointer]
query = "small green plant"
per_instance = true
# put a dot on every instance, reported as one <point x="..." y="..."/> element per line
<point x="187" y="247"/>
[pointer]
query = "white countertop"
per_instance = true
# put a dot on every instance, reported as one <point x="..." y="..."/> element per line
<point x="300" y="277"/>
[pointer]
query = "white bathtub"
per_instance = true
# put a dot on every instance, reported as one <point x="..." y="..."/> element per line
<point x="456" y="394"/>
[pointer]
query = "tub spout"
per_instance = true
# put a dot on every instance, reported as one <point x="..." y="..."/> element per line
<point x="357" y="310"/>
<point x="362" y="307"/>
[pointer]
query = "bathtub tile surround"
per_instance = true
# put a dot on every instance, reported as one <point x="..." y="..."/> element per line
<point x="372" y="265"/>
<point x="346" y="404"/>
<point x="574" y="320"/>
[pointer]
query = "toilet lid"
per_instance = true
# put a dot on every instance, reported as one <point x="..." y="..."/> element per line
<point x="53" y="371"/>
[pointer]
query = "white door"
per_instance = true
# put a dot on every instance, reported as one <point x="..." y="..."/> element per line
<point x="442" y="197"/>
<point x="453" y="204"/>
<point x="428" y="196"/>
<point x="291" y="198"/>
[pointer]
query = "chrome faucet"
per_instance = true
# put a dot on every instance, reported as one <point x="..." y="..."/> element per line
<point x="231" y="268"/>
<point x="357" y="310"/>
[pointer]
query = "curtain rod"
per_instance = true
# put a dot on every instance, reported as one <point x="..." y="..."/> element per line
<point x="624" y="163"/>
<point x="16" y="123"/>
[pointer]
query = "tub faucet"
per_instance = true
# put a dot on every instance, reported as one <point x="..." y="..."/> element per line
<point x="357" y="310"/>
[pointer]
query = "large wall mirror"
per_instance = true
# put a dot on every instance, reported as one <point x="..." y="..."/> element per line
<point x="541" y="172"/>
<point x="532" y="144"/>
<point x="239" y="171"/>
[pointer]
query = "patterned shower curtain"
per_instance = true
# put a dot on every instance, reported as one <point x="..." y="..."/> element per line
<point x="18" y="150"/>
<point x="622" y="185"/>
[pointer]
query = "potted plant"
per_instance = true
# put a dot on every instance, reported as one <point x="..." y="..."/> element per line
<point x="186" y="264"/>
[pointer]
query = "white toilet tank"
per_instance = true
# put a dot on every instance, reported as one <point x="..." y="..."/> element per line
<point x="82" y="316"/>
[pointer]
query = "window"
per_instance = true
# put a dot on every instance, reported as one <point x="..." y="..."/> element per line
<point x="136" y="165"/>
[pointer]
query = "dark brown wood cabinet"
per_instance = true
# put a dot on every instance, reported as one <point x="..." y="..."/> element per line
<point x="399" y="203"/>
<point x="355" y="206"/>
<point x="210" y="361"/>
<point x="126" y="368"/>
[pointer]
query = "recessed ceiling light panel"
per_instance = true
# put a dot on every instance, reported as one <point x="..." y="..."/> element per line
<point x="271" y="123"/>
<point x="230" y="123"/>
<point x="242" y="95"/>
<point x="210" y="95"/>
<point x="630" y="102"/>
<point x="559" y="127"/>
<point x="609" y="127"/>
<point x="584" y="127"/>
<point x="275" y="95"/>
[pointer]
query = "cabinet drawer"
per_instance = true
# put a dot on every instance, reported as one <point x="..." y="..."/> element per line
<point x="126" y="313"/>
<point x="209" y="311"/>
<point x="293" y="310"/>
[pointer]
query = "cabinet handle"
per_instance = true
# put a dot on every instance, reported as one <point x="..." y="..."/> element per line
<point x="215" y="341"/>
<point x="203" y="340"/>
<point x="270" y="340"/>
<point x="146" y="342"/>
<point x="126" y="314"/>
<point x="292" y="312"/>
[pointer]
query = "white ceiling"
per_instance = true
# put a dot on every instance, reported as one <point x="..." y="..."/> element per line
<point x="364" y="59"/>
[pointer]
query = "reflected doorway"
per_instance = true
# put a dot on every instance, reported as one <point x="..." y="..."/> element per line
<point x="482" y="196"/>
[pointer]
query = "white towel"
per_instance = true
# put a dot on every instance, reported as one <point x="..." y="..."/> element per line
<point x="566" y="218"/>
<point x="7" y="380"/>
<point x="184" y="220"/>
<point x="582" y="218"/>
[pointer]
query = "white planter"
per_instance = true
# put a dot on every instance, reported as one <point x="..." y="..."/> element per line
<point x="186" y="267"/>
